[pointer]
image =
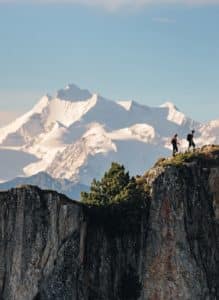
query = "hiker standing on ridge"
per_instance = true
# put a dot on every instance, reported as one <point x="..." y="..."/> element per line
<point x="190" y="139"/>
<point x="175" y="144"/>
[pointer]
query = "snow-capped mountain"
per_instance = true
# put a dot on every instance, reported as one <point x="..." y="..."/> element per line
<point x="76" y="135"/>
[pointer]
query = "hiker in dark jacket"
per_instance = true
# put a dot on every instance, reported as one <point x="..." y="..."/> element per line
<point x="175" y="144"/>
<point x="190" y="139"/>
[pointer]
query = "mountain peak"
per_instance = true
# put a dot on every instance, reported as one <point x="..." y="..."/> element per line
<point x="129" y="104"/>
<point x="43" y="102"/>
<point x="73" y="93"/>
<point x="169" y="105"/>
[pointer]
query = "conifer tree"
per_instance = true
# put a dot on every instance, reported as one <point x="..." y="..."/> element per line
<point x="115" y="186"/>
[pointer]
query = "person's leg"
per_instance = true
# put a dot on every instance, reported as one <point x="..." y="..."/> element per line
<point x="175" y="150"/>
<point x="193" y="145"/>
<point x="190" y="145"/>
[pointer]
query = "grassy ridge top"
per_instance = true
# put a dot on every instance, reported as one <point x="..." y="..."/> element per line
<point x="206" y="152"/>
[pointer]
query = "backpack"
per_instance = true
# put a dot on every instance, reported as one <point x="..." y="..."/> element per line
<point x="189" y="137"/>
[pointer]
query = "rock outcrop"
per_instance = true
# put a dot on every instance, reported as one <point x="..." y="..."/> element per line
<point x="55" y="248"/>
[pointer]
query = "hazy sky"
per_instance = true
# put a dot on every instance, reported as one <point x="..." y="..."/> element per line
<point x="168" y="50"/>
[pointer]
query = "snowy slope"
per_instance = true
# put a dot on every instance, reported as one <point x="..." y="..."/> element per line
<point x="210" y="132"/>
<point x="76" y="135"/>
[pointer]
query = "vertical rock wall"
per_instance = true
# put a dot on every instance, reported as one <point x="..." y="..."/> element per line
<point x="55" y="248"/>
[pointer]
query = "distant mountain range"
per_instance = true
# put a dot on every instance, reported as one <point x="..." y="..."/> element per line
<point x="76" y="135"/>
<point x="45" y="181"/>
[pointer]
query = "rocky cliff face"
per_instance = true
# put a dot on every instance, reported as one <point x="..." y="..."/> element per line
<point x="54" y="248"/>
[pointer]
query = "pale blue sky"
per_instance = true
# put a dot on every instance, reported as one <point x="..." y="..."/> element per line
<point x="150" y="54"/>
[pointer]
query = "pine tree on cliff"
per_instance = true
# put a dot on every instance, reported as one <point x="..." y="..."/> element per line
<point x="115" y="186"/>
